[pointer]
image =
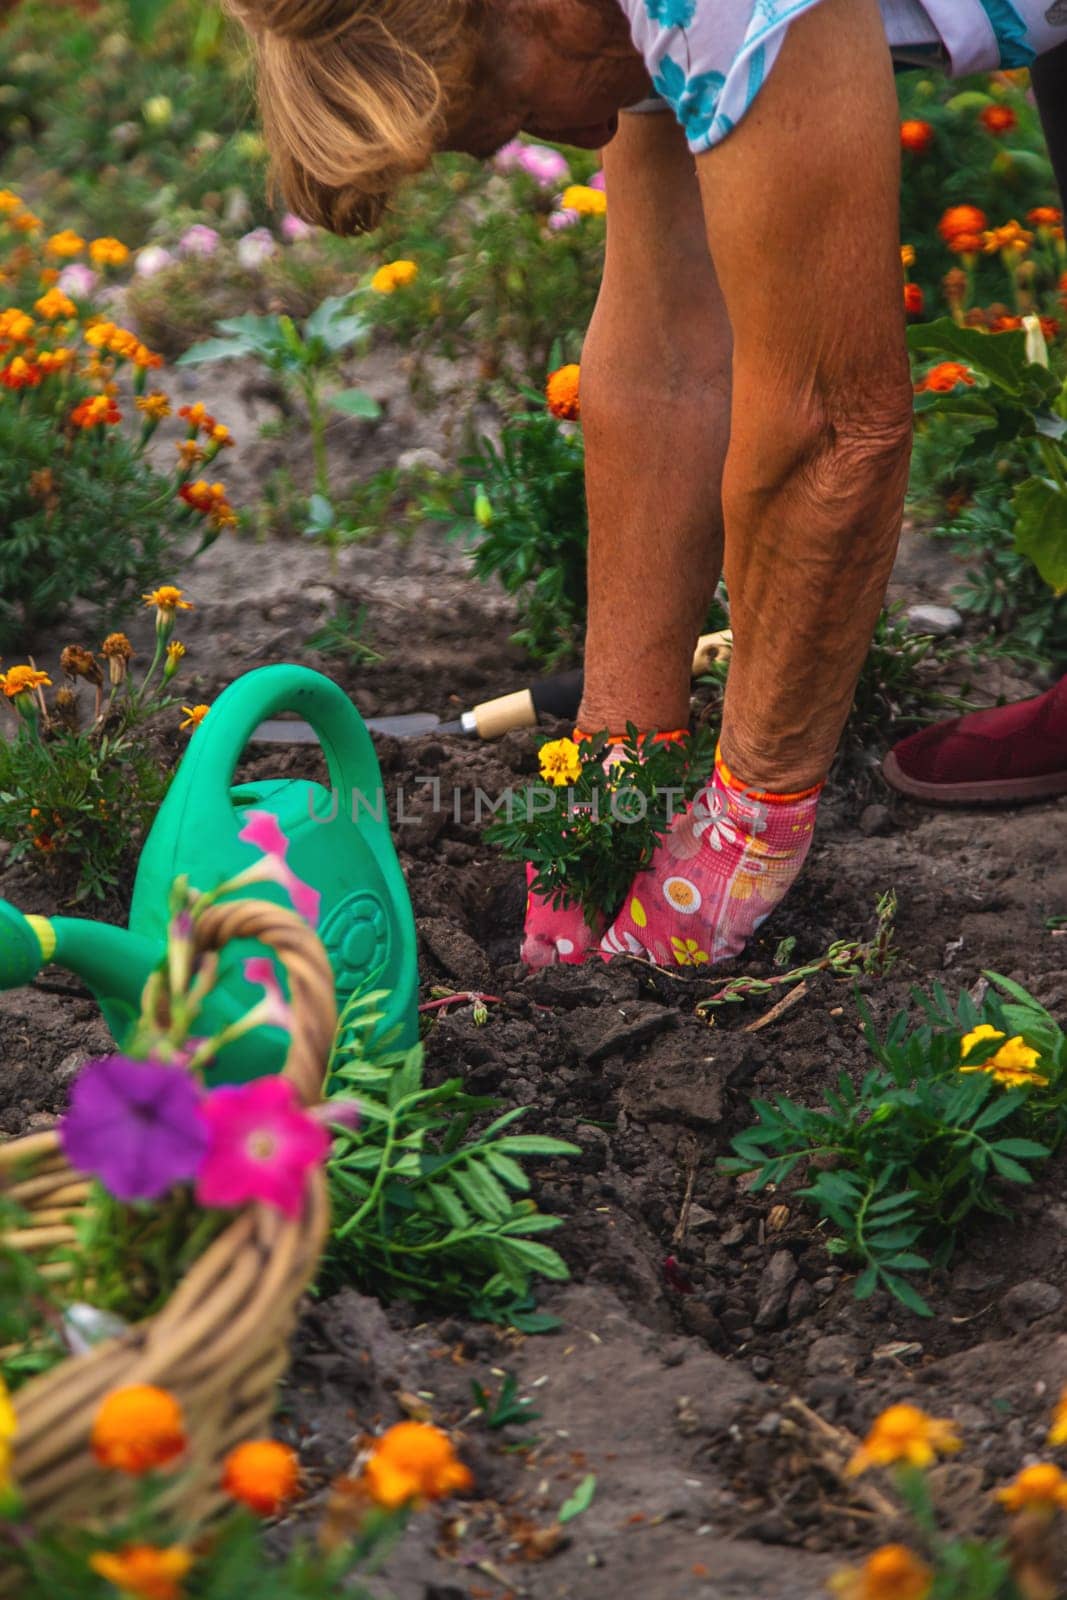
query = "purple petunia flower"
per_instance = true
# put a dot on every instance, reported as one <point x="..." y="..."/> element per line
<point x="135" y="1125"/>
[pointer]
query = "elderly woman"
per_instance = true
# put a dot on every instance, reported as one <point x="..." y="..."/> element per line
<point x="746" y="398"/>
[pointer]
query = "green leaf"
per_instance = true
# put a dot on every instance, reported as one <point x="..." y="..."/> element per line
<point x="1028" y="1149"/>
<point x="580" y="1500"/>
<point x="536" y="1258"/>
<point x="866" y="1283"/>
<point x="907" y="1294"/>
<point x="213" y="350"/>
<point x="998" y="1111"/>
<point x="355" y="403"/>
<point x="1041" y="529"/>
<point x="1002" y="360"/>
<point x="450" y="1205"/>
<point x="1010" y="1170"/>
<point x="535" y="1144"/>
<point x="507" y="1170"/>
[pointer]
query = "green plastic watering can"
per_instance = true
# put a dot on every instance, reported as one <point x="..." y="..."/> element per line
<point x="340" y="844"/>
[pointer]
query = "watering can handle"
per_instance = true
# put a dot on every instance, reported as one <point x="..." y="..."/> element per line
<point x="207" y="770"/>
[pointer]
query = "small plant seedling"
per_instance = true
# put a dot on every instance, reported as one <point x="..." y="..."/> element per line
<point x="342" y="635"/>
<point x="580" y="1500"/>
<point x="507" y="1407"/>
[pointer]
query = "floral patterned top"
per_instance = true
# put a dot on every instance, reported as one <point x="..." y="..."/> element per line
<point x="709" y="59"/>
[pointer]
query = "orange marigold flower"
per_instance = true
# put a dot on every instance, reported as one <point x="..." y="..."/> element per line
<point x="916" y="136"/>
<point x="892" y="1573"/>
<point x="48" y="276"/>
<point x="98" y="411"/>
<point x="20" y="374"/>
<point x="907" y="255"/>
<point x="54" y="304"/>
<point x="966" y="244"/>
<point x="1010" y="238"/>
<point x="193" y="716"/>
<point x="945" y="377"/>
<point x="904" y="1434"/>
<point x="1039" y="1488"/>
<point x="65" y="243"/>
<point x="961" y="219"/>
<point x="1057" y="1434"/>
<point x="167" y="598"/>
<point x="190" y="453"/>
<point x="195" y="414"/>
<point x="221" y="436"/>
<point x="155" y="406"/>
<point x="1044" y="217"/>
<point x="1005" y="324"/>
<point x="144" y="1571"/>
<point x="262" y="1474"/>
<point x="137" y="1429"/>
<point x="998" y="119"/>
<point x="913" y="300"/>
<point x="25" y="222"/>
<point x="108" y="252"/>
<point x="201" y="495"/>
<point x="21" y="680"/>
<point x="55" y="360"/>
<point x="394" y="275"/>
<point x="15" y="326"/>
<point x="561" y="392"/>
<point x="9" y="201"/>
<point x="414" y="1461"/>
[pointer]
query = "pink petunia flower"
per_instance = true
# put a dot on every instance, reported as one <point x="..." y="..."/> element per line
<point x="273" y="1010"/>
<point x="261" y="1146"/>
<point x="262" y="829"/>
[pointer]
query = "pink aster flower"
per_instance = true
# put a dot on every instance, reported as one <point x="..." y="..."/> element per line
<point x="255" y="248"/>
<point x="261" y="1146"/>
<point x="507" y="157"/>
<point x="294" y="229"/>
<point x="77" y="280"/>
<point x="546" y="167"/>
<point x="262" y="829"/>
<point x="199" y="240"/>
<point x="597" y="181"/>
<point x="152" y="259"/>
<point x="563" y="218"/>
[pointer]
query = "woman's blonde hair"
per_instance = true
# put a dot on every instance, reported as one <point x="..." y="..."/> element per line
<point x="354" y="95"/>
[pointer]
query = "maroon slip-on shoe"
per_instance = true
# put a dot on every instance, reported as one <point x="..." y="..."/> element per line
<point x="999" y="757"/>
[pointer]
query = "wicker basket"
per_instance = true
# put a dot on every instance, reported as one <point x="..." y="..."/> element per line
<point x="220" y="1343"/>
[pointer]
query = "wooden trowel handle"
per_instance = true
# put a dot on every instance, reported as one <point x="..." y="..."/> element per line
<point x="559" y="696"/>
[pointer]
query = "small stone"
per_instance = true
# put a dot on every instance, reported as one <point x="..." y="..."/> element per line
<point x="699" y="1219"/>
<point x="774" y="1290"/>
<point x="834" y="1352"/>
<point x="875" y="820"/>
<point x="770" y="1425"/>
<point x="733" y="1236"/>
<point x="760" y="1367"/>
<point x="422" y="460"/>
<point x="1028" y="1301"/>
<point x="824" y="1286"/>
<point x="939" y="620"/>
<point x="801" y="1302"/>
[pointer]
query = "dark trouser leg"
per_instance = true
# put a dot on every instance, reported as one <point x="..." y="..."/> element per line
<point x="1049" y="75"/>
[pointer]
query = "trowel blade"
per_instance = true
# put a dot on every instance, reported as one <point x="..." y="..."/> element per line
<point x="293" y="731"/>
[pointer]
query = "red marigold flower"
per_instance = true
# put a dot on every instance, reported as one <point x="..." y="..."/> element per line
<point x="916" y="136"/>
<point x="945" y="377"/>
<point x="1005" y="324"/>
<point x="998" y="120"/>
<point x="97" y="411"/>
<point x="20" y="374"/>
<point x="1044" y="217"/>
<point x="961" y="219"/>
<point x="1050" y="327"/>
<point x="913" y="300"/>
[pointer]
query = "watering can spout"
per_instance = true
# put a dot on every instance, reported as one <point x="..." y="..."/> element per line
<point x="112" y="961"/>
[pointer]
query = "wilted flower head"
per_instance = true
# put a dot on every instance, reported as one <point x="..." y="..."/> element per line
<point x="77" y="662"/>
<point x="199" y="240"/>
<point x="255" y="248"/>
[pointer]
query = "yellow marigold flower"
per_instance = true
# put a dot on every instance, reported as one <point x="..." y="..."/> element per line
<point x="155" y="406"/>
<point x="99" y="334"/>
<point x="262" y="1474"/>
<point x="108" y="252"/>
<point x="167" y="598"/>
<point x="1039" y="1488"/>
<point x="173" y="660"/>
<point x="193" y="716"/>
<point x="8" y="1429"/>
<point x="394" y="275"/>
<point x="586" y="201"/>
<point x="562" y="392"/>
<point x="907" y="255"/>
<point x="1014" y="1063"/>
<point x="144" y="1571"/>
<point x="561" y="762"/>
<point x="15" y="325"/>
<point x="190" y="453"/>
<point x="137" y="1429"/>
<point x="904" y="1435"/>
<point x="413" y="1461"/>
<point x="55" y="360"/>
<point x="891" y="1573"/>
<point x="220" y="435"/>
<point x="20" y="680"/>
<point x="65" y="243"/>
<point x="9" y="201"/>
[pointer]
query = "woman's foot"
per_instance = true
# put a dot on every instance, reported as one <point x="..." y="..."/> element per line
<point x="999" y="757"/>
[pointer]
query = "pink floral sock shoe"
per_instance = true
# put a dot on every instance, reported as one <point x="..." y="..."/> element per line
<point x="717" y="875"/>
<point x="563" y="935"/>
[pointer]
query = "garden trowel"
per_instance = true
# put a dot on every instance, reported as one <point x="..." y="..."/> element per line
<point x="558" y="696"/>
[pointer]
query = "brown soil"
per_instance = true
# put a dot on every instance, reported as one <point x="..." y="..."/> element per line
<point x="702" y="1340"/>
